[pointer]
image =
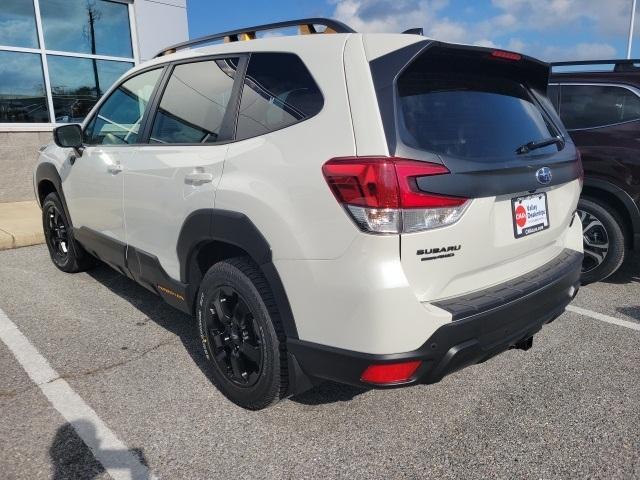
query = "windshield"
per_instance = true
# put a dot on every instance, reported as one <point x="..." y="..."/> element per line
<point x="470" y="116"/>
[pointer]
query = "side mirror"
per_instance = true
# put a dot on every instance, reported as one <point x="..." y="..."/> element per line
<point x="69" y="136"/>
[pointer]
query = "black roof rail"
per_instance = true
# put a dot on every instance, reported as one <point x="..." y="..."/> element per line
<point x="620" y="65"/>
<point x="306" y="26"/>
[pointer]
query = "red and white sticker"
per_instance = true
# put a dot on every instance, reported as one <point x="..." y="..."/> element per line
<point x="530" y="214"/>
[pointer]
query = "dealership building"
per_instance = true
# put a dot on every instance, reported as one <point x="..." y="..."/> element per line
<point x="57" y="57"/>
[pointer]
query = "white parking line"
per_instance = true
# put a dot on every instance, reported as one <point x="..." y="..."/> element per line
<point x="604" y="318"/>
<point x="106" y="447"/>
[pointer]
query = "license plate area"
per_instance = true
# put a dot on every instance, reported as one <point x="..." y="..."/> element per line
<point x="530" y="214"/>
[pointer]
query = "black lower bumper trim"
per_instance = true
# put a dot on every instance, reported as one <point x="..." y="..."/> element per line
<point x="466" y="341"/>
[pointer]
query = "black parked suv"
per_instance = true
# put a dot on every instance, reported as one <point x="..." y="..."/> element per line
<point x="600" y="108"/>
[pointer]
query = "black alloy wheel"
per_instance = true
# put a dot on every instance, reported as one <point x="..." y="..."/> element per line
<point x="243" y="339"/>
<point x="66" y="254"/>
<point x="234" y="338"/>
<point x="603" y="239"/>
<point x="56" y="233"/>
<point x="596" y="241"/>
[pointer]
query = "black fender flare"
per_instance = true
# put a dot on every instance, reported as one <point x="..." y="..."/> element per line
<point x="624" y="198"/>
<point x="234" y="228"/>
<point x="48" y="171"/>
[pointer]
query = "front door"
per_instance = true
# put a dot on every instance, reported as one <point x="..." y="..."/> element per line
<point x="94" y="184"/>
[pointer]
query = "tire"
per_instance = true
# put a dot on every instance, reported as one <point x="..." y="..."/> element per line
<point x="66" y="254"/>
<point x="241" y="334"/>
<point x="604" y="240"/>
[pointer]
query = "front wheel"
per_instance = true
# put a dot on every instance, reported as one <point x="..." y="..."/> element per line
<point x="241" y="334"/>
<point x="603" y="237"/>
<point x="66" y="254"/>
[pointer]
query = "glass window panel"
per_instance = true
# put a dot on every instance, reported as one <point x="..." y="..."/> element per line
<point x="22" y="92"/>
<point x="118" y="119"/>
<point x="590" y="106"/>
<point x="78" y="83"/>
<point x="194" y="102"/>
<point x="468" y="114"/>
<point x="87" y="26"/>
<point x="278" y="91"/>
<point x="18" y="24"/>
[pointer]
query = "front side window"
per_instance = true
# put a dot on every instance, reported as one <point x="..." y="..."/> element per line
<point x="278" y="92"/>
<point x="97" y="27"/>
<point x="194" y="102"/>
<point x="18" y="24"/>
<point x="78" y="83"/>
<point x="118" y="119"/>
<point x="590" y="106"/>
<point x="22" y="93"/>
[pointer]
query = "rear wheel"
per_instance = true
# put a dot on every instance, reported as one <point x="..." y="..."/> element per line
<point x="604" y="242"/>
<point x="241" y="334"/>
<point x="66" y="254"/>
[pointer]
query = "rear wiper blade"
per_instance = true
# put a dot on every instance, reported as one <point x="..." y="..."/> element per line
<point x="527" y="147"/>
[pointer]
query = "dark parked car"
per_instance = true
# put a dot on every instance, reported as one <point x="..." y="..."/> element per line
<point x="601" y="110"/>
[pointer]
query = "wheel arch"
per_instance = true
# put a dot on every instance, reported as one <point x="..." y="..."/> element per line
<point x="48" y="181"/>
<point x="212" y="235"/>
<point x="616" y="197"/>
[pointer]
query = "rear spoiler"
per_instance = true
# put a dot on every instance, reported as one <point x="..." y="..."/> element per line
<point x="502" y="62"/>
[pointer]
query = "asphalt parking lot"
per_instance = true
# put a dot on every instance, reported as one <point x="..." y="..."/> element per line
<point x="568" y="408"/>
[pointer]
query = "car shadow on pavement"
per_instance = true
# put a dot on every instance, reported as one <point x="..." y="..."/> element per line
<point x="184" y="327"/>
<point x="71" y="458"/>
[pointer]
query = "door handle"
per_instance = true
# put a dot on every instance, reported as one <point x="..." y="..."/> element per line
<point x="198" y="178"/>
<point x="115" y="168"/>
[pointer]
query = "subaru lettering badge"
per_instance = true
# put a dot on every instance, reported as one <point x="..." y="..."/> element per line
<point x="543" y="175"/>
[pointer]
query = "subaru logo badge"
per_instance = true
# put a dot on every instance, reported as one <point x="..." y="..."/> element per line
<point x="544" y="176"/>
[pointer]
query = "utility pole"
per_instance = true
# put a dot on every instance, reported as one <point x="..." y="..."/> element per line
<point x="631" y="25"/>
<point x="94" y="15"/>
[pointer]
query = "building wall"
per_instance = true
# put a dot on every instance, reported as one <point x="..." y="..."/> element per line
<point x="160" y="25"/>
<point x="157" y="25"/>
<point x="18" y="155"/>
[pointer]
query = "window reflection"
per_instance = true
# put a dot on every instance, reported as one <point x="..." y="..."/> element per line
<point x="18" y="24"/>
<point x="22" y="92"/>
<point x="118" y="120"/>
<point x="78" y="83"/>
<point x="86" y="26"/>
<point x="194" y="103"/>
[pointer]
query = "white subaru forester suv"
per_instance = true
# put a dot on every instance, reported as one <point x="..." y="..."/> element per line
<point x="374" y="209"/>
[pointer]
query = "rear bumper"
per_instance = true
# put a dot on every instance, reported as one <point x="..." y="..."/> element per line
<point x="484" y="324"/>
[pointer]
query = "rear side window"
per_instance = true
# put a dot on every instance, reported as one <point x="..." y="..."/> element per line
<point x="468" y="114"/>
<point x="194" y="102"/>
<point x="590" y="106"/>
<point x="278" y="92"/>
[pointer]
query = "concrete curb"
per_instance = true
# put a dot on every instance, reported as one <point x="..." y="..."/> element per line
<point x="20" y="225"/>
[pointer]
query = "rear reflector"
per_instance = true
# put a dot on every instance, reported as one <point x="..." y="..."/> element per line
<point x="382" y="196"/>
<point x="390" y="373"/>
<point x="506" y="55"/>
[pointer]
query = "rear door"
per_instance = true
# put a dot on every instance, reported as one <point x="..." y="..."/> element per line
<point x="484" y="115"/>
<point x="176" y="174"/>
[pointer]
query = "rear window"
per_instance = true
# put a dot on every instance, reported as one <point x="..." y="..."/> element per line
<point x="469" y="115"/>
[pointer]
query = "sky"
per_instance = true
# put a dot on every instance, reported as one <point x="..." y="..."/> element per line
<point x="552" y="30"/>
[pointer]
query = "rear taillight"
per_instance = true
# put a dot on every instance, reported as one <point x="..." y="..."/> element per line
<point x="381" y="194"/>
